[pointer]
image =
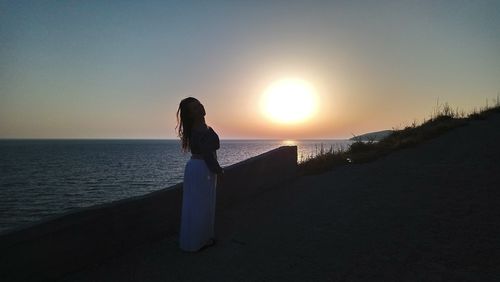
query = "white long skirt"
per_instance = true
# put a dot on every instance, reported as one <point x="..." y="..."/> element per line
<point x="198" y="206"/>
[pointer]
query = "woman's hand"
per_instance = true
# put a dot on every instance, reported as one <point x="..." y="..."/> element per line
<point x="220" y="178"/>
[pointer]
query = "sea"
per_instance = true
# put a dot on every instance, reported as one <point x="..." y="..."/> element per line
<point x="45" y="177"/>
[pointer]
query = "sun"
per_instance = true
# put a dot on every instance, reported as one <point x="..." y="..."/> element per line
<point x="290" y="100"/>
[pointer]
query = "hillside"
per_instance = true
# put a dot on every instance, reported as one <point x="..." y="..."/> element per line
<point x="372" y="136"/>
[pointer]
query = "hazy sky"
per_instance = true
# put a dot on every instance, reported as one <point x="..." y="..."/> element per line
<point x="118" y="69"/>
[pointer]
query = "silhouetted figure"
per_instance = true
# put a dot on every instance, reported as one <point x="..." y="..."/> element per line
<point x="201" y="175"/>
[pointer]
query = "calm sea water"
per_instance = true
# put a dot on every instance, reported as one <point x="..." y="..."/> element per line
<point x="40" y="178"/>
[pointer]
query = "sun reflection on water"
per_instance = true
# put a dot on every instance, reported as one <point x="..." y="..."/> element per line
<point x="289" y="143"/>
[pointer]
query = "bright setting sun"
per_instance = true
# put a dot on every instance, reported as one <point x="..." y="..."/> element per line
<point x="289" y="101"/>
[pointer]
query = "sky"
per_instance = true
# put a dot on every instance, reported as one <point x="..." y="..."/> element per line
<point x="118" y="69"/>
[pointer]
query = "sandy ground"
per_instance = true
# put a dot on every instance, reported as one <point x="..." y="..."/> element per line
<point x="429" y="213"/>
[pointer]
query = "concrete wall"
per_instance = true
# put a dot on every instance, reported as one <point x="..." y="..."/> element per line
<point x="64" y="243"/>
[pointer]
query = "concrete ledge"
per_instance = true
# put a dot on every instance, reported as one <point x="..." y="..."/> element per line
<point x="67" y="242"/>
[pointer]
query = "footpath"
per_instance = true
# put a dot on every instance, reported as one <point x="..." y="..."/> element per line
<point x="428" y="213"/>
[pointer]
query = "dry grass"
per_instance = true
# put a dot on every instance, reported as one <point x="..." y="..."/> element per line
<point x="443" y="119"/>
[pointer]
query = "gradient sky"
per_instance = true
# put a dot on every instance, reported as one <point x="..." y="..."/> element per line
<point x="118" y="69"/>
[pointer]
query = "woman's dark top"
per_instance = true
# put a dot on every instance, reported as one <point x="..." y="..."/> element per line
<point x="205" y="143"/>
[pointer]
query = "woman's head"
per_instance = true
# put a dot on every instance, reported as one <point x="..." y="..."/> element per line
<point x="190" y="111"/>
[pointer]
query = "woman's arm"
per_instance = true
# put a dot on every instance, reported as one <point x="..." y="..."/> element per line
<point x="208" y="144"/>
<point x="212" y="163"/>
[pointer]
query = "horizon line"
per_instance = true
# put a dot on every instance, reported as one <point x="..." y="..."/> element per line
<point x="165" y="139"/>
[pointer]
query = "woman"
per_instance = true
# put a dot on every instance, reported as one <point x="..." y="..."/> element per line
<point x="201" y="175"/>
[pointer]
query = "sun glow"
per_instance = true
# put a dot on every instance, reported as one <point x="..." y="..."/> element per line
<point x="289" y="101"/>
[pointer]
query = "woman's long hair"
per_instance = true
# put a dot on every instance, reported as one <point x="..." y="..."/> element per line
<point x="184" y="122"/>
